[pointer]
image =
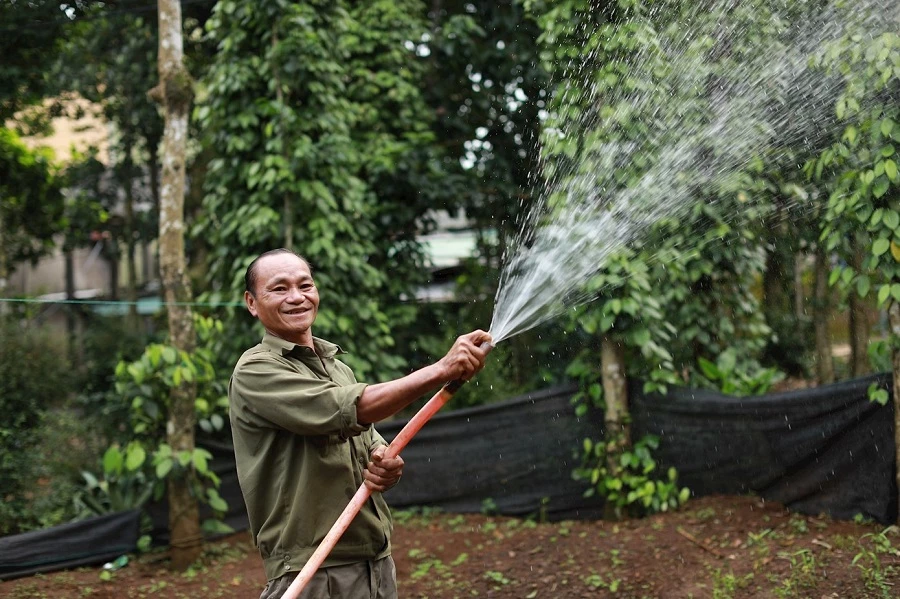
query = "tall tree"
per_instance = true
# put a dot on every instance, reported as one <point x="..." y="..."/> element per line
<point x="175" y="93"/>
<point x="315" y="116"/>
<point x="30" y="33"/>
<point x="860" y="168"/>
<point x="31" y="204"/>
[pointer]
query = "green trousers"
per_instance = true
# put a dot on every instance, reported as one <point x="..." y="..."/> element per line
<point x="362" y="580"/>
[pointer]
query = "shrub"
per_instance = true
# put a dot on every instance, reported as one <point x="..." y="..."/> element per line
<point x="33" y="369"/>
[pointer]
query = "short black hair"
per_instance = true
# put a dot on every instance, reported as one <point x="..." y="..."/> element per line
<point x="250" y="275"/>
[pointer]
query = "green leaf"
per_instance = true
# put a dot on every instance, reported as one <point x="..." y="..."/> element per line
<point x="217" y="421"/>
<point x="863" y="285"/>
<point x="883" y="293"/>
<point x="90" y="479"/>
<point x="890" y="169"/>
<point x="895" y="292"/>
<point x="216" y="502"/>
<point x="709" y="369"/>
<point x="834" y="276"/>
<point x="169" y="355"/>
<point x="154" y="353"/>
<point x="135" y="457"/>
<point x="891" y="219"/>
<point x="880" y="246"/>
<point x="164" y="467"/>
<point x="216" y="527"/>
<point x="727" y="361"/>
<point x="200" y="458"/>
<point x="112" y="460"/>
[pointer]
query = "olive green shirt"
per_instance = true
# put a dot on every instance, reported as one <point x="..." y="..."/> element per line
<point x="300" y="454"/>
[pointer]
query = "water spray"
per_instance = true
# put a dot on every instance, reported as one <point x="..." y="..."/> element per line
<point x="767" y="102"/>
<point x="362" y="495"/>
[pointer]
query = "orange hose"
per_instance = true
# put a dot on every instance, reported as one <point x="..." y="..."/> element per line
<point x="363" y="493"/>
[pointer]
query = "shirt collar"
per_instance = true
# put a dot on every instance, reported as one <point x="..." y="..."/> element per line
<point x="324" y="349"/>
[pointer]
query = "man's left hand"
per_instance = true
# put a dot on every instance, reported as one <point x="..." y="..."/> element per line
<point x="382" y="473"/>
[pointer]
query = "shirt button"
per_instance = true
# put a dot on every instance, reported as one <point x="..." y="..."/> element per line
<point x="287" y="566"/>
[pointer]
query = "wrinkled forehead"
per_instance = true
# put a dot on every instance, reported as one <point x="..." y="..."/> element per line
<point x="282" y="266"/>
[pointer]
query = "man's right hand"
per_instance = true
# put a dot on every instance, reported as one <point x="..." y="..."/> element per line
<point x="466" y="358"/>
<point x="463" y="361"/>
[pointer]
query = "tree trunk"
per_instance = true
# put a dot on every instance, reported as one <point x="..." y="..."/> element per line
<point x="130" y="267"/>
<point x="775" y="285"/>
<point x="174" y="92"/>
<point x="616" y="417"/>
<point x="4" y="269"/>
<point x="113" y="269"/>
<point x="154" y="192"/>
<point x="72" y="335"/>
<point x="615" y="391"/>
<point x="894" y="320"/>
<point x="859" y="323"/>
<point x="799" y="292"/>
<point x="821" y="316"/>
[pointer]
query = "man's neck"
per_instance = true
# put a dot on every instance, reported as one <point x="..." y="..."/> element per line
<point x="304" y="339"/>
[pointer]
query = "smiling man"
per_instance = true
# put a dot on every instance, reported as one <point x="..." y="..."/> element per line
<point x="304" y="441"/>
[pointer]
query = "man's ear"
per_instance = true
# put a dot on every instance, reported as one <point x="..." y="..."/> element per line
<point x="251" y="303"/>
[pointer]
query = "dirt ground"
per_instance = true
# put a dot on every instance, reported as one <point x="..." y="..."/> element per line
<point x="716" y="547"/>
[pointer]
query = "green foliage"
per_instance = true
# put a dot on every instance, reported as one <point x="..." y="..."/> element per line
<point x="26" y="394"/>
<point x="870" y="560"/>
<point x="860" y="166"/>
<point x="126" y="483"/>
<point x="314" y="128"/>
<point x="487" y="86"/>
<point x="29" y="38"/>
<point x="628" y="481"/>
<point x="31" y="205"/>
<point x="134" y="468"/>
<point x="727" y="377"/>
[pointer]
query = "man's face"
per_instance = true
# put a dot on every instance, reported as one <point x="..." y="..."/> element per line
<point x="286" y="300"/>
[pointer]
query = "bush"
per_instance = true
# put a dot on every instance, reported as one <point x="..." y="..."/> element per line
<point x="33" y="369"/>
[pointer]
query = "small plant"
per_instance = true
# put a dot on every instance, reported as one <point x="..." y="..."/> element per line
<point x="803" y="573"/>
<point x="876" y="575"/>
<point x="726" y="584"/>
<point x="757" y="538"/>
<point x="799" y="525"/>
<point x="614" y="558"/>
<point x="147" y="460"/>
<point x="497" y="577"/>
<point x="738" y="379"/>
<point x="489" y="507"/>
<point x="626" y="482"/>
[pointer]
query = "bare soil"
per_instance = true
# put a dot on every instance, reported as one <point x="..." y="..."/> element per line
<point x="717" y="547"/>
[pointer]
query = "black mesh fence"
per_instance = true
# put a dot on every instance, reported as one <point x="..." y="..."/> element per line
<point x="824" y="450"/>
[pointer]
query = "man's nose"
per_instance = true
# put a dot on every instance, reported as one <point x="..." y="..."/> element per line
<point x="296" y="295"/>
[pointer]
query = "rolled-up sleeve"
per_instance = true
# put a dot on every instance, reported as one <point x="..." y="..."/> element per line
<point x="301" y="404"/>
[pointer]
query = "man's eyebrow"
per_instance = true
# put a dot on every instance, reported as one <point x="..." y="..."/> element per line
<point x="281" y="279"/>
